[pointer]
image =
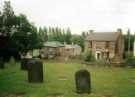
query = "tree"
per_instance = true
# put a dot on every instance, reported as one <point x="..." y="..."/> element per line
<point x="7" y="28"/>
<point x="129" y="40"/>
<point x="25" y="38"/>
<point x="83" y="34"/>
<point x="68" y="36"/>
<point x="17" y="34"/>
<point x="128" y="34"/>
<point x="78" y="39"/>
<point x="8" y="18"/>
<point x="50" y="36"/>
<point x="45" y="34"/>
<point x="42" y="35"/>
<point x="0" y="22"/>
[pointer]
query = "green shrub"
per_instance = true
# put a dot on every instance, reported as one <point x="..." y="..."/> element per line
<point x="128" y="54"/>
<point x="88" y="56"/>
<point x="130" y="62"/>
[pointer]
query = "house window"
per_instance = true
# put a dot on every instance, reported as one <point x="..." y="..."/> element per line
<point x="107" y="44"/>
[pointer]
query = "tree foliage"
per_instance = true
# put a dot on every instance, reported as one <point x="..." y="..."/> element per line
<point x="78" y="39"/>
<point x="18" y="34"/>
<point x="129" y="43"/>
<point x="61" y="35"/>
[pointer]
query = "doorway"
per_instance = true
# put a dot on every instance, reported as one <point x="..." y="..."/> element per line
<point x="98" y="55"/>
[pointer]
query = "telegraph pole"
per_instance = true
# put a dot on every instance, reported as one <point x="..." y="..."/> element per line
<point x="129" y="45"/>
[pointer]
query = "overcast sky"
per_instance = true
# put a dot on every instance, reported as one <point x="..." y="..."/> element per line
<point x="79" y="15"/>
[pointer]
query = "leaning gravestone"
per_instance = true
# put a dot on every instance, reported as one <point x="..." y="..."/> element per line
<point x="35" y="71"/>
<point x="83" y="81"/>
<point x="1" y="63"/>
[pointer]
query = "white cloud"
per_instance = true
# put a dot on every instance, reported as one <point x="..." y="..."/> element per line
<point x="79" y="15"/>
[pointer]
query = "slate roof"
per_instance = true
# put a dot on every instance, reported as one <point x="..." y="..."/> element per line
<point x="103" y="36"/>
<point x="53" y="44"/>
<point x="72" y="46"/>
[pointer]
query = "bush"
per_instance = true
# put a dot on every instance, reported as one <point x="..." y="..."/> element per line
<point x="130" y="62"/>
<point x="88" y="56"/>
<point x="128" y="54"/>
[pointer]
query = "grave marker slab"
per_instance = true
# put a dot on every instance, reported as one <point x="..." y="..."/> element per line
<point x="83" y="81"/>
<point x="35" y="71"/>
<point x="2" y="63"/>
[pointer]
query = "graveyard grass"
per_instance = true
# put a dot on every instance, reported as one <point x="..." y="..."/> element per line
<point x="59" y="81"/>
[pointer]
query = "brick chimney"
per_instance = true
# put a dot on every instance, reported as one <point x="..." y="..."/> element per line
<point x="91" y="31"/>
<point x="119" y="30"/>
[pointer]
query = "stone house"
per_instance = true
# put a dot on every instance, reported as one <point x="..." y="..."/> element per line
<point x="72" y="50"/>
<point x="108" y="46"/>
<point x="52" y="49"/>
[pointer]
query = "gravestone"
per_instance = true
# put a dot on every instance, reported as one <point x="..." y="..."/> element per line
<point x="35" y="71"/>
<point x="1" y="63"/>
<point x="83" y="81"/>
<point x="24" y="65"/>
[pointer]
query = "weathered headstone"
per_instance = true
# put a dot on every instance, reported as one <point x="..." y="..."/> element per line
<point x="1" y="63"/>
<point x="35" y="71"/>
<point x="83" y="81"/>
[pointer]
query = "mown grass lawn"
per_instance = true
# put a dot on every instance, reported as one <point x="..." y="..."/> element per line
<point x="59" y="80"/>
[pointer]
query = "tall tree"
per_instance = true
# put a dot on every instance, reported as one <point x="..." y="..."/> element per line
<point x="21" y="33"/>
<point x="68" y="36"/>
<point x="0" y="23"/>
<point x="25" y="38"/>
<point x="45" y="34"/>
<point x="128" y="34"/>
<point x="78" y="39"/>
<point x="8" y="18"/>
